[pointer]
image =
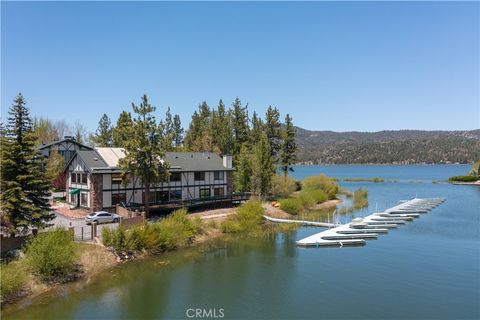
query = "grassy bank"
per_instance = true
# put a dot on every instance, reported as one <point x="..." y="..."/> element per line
<point x="314" y="190"/>
<point x="463" y="179"/>
<point x="50" y="259"/>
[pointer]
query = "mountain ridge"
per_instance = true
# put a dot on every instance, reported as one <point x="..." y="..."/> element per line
<point x="388" y="146"/>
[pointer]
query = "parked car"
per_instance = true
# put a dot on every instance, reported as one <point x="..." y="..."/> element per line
<point x="102" y="217"/>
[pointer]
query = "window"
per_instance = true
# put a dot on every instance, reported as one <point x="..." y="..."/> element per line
<point x="218" y="175"/>
<point x="83" y="199"/>
<point x="204" y="192"/>
<point x="73" y="177"/>
<point x="219" y="191"/>
<point x="175" y="176"/>
<point x="118" y="198"/>
<point x="175" y="195"/>
<point x="84" y="178"/>
<point x="116" y="180"/>
<point x="200" y="176"/>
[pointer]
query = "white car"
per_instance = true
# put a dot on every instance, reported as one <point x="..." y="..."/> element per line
<point x="102" y="217"/>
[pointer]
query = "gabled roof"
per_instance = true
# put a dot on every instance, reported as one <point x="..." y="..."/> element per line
<point x="56" y="142"/>
<point x="92" y="159"/>
<point x="105" y="160"/>
<point x="194" y="161"/>
<point x="111" y="155"/>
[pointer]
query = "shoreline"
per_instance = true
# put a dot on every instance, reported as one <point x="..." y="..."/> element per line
<point x="96" y="259"/>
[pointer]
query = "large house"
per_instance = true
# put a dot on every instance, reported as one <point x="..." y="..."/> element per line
<point x="94" y="179"/>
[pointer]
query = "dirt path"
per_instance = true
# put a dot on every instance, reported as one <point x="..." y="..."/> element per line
<point x="215" y="214"/>
<point x="328" y="204"/>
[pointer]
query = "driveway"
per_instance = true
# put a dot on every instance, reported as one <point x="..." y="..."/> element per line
<point x="81" y="229"/>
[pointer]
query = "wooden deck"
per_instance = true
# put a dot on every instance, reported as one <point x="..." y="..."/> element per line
<point x="218" y="201"/>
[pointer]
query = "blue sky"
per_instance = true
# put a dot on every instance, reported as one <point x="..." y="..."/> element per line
<point x="338" y="66"/>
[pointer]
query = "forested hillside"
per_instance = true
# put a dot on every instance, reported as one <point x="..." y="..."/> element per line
<point x="394" y="147"/>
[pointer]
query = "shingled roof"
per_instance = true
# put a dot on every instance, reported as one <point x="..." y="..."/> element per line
<point x="105" y="160"/>
<point x="194" y="161"/>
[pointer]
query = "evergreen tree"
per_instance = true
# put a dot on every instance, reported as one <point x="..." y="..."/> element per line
<point x="122" y="131"/>
<point x="24" y="183"/>
<point x="222" y="129"/>
<point x="143" y="150"/>
<point x="257" y="128"/>
<point x="177" y="131"/>
<point x="240" y="125"/>
<point x="103" y="136"/>
<point x="199" y="135"/>
<point x="273" y="129"/>
<point x="243" y="171"/>
<point x="262" y="167"/>
<point x="167" y="131"/>
<point x="289" y="147"/>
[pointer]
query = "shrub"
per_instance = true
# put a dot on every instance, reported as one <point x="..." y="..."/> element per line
<point x="463" y="179"/>
<point x="250" y="214"/>
<point x="307" y="199"/>
<point x="360" y="198"/>
<point x="230" y="226"/>
<point x="292" y="205"/>
<point x="248" y="218"/>
<point x="321" y="182"/>
<point x="318" y="196"/>
<point x="173" y="231"/>
<point x="52" y="255"/>
<point x="177" y="229"/>
<point x="12" y="280"/>
<point x="282" y="186"/>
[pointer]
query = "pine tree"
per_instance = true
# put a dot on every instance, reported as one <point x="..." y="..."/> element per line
<point x="221" y="126"/>
<point x="177" y="131"/>
<point x="103" y="136"/>
<point x="273" y="131"/>
<point x="167" y="130"/>
<point x="289" y="147"/>
<point x="143" y="150"/>
<point x="257" y="128"/>
<point x="243" y="171"/>
<point x="262" y="167"/>
<point x="24" y="183"/>
<point x="199" y="135"/>
<point x="240" y="125"/>
<point x="122" y="131"/>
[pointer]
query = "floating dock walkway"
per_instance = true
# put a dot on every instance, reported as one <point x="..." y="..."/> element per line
<point x="302" y="222"/>
<point x="359" y="230"/>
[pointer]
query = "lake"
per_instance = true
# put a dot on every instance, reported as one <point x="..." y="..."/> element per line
<point x="427" y="269"/>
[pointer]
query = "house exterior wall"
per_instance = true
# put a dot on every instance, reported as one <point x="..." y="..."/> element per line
<point x="100" y="190"/>
<point x="77" y="166"/>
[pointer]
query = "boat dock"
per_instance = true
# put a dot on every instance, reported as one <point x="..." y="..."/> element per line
<point x="359" y="230"/>
<point x="302" y="222"/>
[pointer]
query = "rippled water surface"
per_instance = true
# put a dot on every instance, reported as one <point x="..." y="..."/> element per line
<point x="427" y="269"/>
